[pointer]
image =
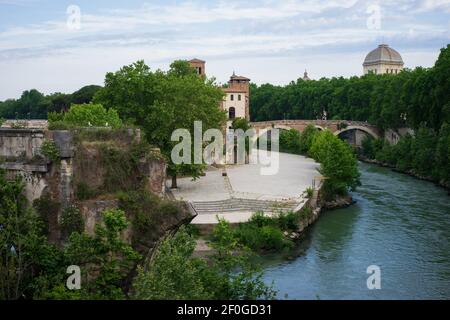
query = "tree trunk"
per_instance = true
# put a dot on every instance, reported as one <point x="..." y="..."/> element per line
<point x="174" y="182"/>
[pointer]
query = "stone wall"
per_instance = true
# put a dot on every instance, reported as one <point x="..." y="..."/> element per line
<point x="21" y="155"/>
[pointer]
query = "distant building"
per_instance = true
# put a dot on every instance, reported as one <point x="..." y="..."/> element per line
<point x="198" y="65"/>
<point x="305" y="76"/>
<point x="237" y="99"/>
<point x="383" y="60"/>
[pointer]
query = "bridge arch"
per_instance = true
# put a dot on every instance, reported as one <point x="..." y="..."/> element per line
<point x="367" y="130"/>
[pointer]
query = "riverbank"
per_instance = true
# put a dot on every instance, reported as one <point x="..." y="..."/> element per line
<point x="268" y="234"/>
<point x="318" y="206"/>
<point x="406" y="172"/>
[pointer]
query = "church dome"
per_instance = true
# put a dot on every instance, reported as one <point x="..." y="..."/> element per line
<point x="383" y="54"/>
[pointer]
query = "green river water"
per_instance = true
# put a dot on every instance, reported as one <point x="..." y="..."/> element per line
<point x="399" y="223"/>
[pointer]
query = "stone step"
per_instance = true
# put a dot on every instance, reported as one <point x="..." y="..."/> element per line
<point x="236" y="205"/>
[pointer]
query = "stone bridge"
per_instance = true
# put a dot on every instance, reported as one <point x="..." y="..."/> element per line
<point x="343" y="128"/>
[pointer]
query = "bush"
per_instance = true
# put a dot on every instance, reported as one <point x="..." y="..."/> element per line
<point x="48" y="210"/>
<point x="263" y="233"/>
<point x="176" y="275"/>
<point x="85" y="115"/>
<point x="71" y="221"/>
<point x="290" y="141"/>
<point x="309" y="192"/>
<point x="50" y="150"/>
<point x="85" y="192"/>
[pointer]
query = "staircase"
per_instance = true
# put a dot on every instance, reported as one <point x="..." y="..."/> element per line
<point x="242" y="205"/>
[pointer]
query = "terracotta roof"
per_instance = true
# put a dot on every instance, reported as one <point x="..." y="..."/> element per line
<point x="234" y="77"/>
<point x="197" y="60"/>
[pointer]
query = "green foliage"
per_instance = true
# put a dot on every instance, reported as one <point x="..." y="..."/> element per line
<point x="84" y="192"/>
<point x="122" y="166"/>
<point x="92" y="115"/>
<point x="55" y="116"/>
<point x="85" y="94"/>
<point x="47" y="209"/>
<point x="241" y="123"/>
<point x="22" y="243"/>
<point x="264" y="234"/>
<point x="50" y="151"/>
<point x="2" y="121"/>
<point x="426" y="153"/>
<point x="307" y="138"/>
<point x="71" y="221"/>
<point x="147" y="212"/>
<point x="34" y="105"/>
<point x="105" y="259"/>
<point x="290" y="141"/>
<point x="161" y="102"/>
<point x="338" y="164"/>
<point x="59" y="125"/>
<point x="309" y="192"/>
<point x="175" y="274"/>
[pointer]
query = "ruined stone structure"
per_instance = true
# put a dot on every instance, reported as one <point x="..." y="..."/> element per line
<point x="21" y="154"/>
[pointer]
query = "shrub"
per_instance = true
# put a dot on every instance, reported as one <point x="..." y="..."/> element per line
<point x="309" y="192"/>
<point x="290" y="141"/>
<point x="50" y="150"/>
<point x="85" y="115"/>
<point x="48" y="209"/>
<point x="175" y="274"/>
<point x="71" y="221"/>
<point x="260" y="239"/>
<point x="85" y="192"/>
<point x="95" y="115"/>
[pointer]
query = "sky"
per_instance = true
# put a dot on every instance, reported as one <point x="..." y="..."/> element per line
<point x="60" y="46"/>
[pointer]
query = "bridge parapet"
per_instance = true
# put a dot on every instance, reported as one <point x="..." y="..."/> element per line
<point x="335" y="126"/>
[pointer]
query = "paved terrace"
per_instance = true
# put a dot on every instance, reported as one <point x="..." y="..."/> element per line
<point x="245" y="191"/>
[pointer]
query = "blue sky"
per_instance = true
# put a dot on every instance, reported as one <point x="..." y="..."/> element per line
<point x="265" y="40"/>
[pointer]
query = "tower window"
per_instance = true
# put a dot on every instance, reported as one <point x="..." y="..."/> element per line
<point x="232" y="113"/>
<point x="239" y="97"/>
<point x="232" y="97"/>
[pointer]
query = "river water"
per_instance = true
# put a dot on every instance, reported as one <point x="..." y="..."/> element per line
<point x="399" y="224"/>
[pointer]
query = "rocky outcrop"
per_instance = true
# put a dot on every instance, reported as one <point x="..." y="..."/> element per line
<point x="21" y="155"/>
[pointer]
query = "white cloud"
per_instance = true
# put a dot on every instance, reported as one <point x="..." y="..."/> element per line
<point x="52" y="58"/>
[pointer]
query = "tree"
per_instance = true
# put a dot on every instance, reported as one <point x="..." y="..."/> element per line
<point x="175" y="274"/>
<point x="105" y="258"/>
<point x="85" y="94"/>
<point x="338" y="164"/>
<point x="21" y="240"/>
<point x="307" y="138"/>
<point x="161" y="102"/>
<point x="290" y="141"/>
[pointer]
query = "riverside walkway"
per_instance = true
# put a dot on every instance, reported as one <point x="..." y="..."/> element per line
<point x="244" y="190"/>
